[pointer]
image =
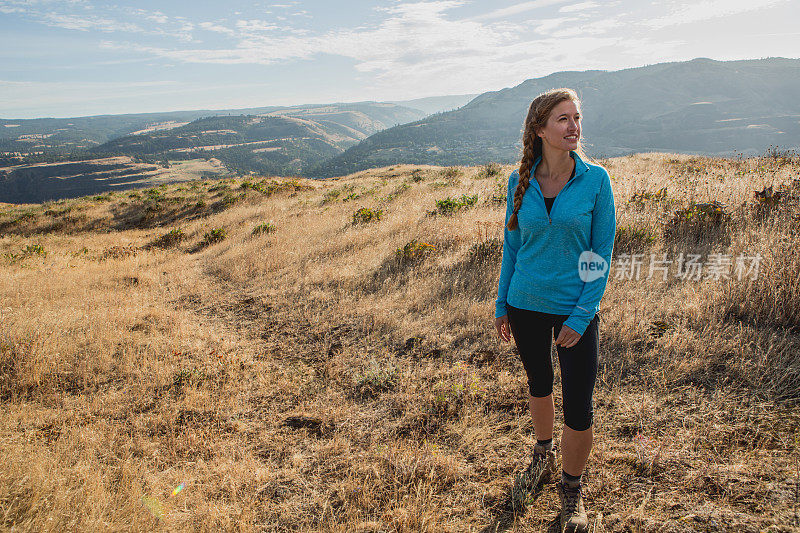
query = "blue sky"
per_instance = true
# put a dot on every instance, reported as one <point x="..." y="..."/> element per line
<point x="63" y="58"/>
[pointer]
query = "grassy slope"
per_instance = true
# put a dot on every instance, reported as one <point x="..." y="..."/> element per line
<point x="126" y="368"/>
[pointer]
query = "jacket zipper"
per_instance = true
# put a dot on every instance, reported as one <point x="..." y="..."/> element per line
<point x="541" y="194"/>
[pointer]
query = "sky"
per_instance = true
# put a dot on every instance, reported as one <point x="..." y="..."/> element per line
<point x="64" y="58"/>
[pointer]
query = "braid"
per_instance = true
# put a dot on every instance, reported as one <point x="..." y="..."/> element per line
<point x="532" y="148"/>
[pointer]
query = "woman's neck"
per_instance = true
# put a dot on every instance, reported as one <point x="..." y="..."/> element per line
<point x="554" y="163"/>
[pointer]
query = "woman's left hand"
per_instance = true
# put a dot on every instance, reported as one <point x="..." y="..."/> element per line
<point x="567" y="337"/>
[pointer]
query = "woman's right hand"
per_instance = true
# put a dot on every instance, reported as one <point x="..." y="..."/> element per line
<point x="503" y="328"/>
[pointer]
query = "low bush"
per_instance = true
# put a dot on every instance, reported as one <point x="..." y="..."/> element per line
<point x="366" y="214"/>
<point x="266" y="227"/>
<point x="171" y="238"/>
<point x="414" y="250"/>
<point x="214" y="236"/>
<point x="449" y="205"/>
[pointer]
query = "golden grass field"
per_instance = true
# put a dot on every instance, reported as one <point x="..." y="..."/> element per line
<point x="308" y="376"/>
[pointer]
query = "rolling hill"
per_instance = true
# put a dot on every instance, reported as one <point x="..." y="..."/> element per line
<point x="73" y="135"/>
<point x="279" y="142"/>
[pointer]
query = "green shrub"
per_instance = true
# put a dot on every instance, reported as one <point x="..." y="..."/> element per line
<point x="171" y="238"/>
<point x="449" y="205"/>
<point x="28" y="251"/>
<point x="214" y="236"/>
<point x="491" y="169"/>
<point x="640" y="198"/>
<point x="414" y="250"/>
<point x="499" y="194"/>
<point x="767" y="198"/>
<point x="270" y="187"/>
<point x="397" y="192"/>
<point x="331" y="196"/>
<point x="219" y="187"/>
<point x="266" y="227"/>
<point x="58" y="212"/>
<point x="365" y="214"/>
<point x="451" y="173"/>
<point x="630" y="239"/>
<point x="698" y="221"/>
<point x="486" y="251"/>
<point x="228" y="200"/>
<point x="34" y="249"/>
<point x="24" y="217"/>
<point x="376" y="379"/>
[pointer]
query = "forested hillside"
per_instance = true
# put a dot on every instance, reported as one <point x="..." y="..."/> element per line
<point x="699" y="107"/>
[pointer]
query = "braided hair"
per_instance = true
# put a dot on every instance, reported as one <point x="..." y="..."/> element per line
<point x="538" y="113"/>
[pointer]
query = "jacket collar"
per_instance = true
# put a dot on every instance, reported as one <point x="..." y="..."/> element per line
<point x="580" y="165"/>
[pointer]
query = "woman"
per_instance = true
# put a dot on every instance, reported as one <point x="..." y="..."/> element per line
<point x="559" y="236"/>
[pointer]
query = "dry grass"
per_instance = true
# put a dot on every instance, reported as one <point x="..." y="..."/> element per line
<point x="310" y="378"/>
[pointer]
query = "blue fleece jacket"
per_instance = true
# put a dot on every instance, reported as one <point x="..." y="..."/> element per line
<point x="545" y="260"/>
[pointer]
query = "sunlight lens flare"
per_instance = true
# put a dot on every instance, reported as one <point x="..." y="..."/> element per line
<point x="178" y="489"/>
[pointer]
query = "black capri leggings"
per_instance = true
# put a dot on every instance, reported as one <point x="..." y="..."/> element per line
<point x="533" y="333"/>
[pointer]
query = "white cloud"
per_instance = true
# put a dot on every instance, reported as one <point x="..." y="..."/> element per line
<point x="422" y="47"/>
<point x="684" y="12"/>
<point x="517" y="9"/>
<point x="62" y="14"/>
<point x="418" y="45"/>
<point x="158" y="17"/>
<point x="250" y="26"/>
<point x="210" y="26"/>
<point x="84" y="23"/>
<point x="547" y="26"/>
<point x="582" y="6"/>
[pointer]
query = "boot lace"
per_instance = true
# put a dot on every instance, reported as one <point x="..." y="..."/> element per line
<point x="572" y="496"/>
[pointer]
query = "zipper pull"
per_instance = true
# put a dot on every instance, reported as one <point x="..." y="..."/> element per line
<point x="550" y="219"/>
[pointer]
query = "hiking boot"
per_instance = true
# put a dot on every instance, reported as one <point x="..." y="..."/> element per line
<point x="573" y="515"/>
<point x="542" y="467"/>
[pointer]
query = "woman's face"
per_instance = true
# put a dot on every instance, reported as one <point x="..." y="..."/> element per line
<point x="563" y="128"/>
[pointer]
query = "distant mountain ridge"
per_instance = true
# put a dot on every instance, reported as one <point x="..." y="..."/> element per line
<point x="700" y="106"/>
<point x="436" y="104"/>
<point x="65" y="135"/>
<point x="277" y="141"/>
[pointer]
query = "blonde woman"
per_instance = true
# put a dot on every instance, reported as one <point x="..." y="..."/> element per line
<point x="559" y="237"/>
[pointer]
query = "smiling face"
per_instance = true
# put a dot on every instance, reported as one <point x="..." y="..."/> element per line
<point x="563" y="128"/>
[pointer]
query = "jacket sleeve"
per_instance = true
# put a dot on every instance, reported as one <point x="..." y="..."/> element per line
<point x="604" y="227"/>
<point x="511" y="245"/>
